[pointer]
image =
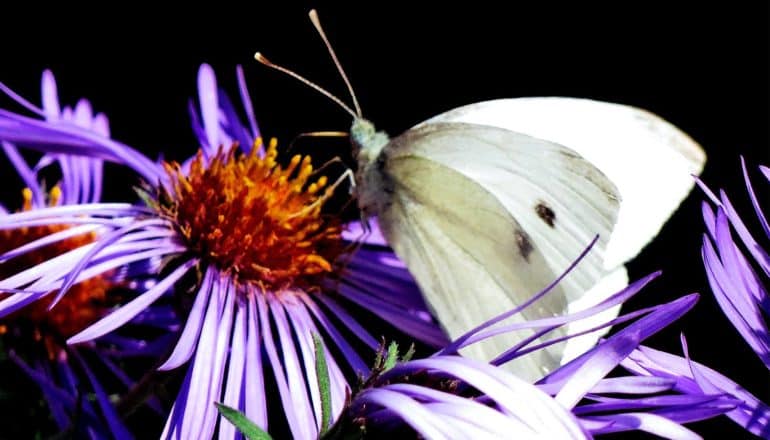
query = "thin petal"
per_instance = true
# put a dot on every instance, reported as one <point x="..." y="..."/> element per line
<point x="133" y="308"/>
<point x="188" y="340"/>
<point x="207" y="96"/>
<point x="50" y="95"/>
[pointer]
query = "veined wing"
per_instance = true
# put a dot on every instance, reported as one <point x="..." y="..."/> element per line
<point x="647" y="158"/>
<point x="471" y="258"/>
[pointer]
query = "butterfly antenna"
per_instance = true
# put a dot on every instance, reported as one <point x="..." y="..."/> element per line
<point x="317" y="23"/>
<point x="316" y="134"/>
<point x="259" y="57"/>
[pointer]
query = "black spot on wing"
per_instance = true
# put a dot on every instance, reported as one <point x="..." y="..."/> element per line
<point x="524" y="244"/>
<point x="545" y="213"/>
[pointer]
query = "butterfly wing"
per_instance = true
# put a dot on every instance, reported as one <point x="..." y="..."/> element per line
<point x="472" y="253"/>
<point x="650" y="161"/>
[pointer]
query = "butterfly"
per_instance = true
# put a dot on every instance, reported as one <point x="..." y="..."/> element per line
<point x="487" y="203"/>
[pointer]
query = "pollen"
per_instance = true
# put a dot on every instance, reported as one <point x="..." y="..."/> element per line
<point x="258" y="221"/>
<point x="84" y="303"/>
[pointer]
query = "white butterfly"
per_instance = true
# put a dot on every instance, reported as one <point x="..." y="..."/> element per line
<point x="487" y="203"/>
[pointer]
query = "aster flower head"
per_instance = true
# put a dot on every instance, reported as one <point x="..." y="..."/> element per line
<point x="32" y="328"/>
<point x="268" y="267"/>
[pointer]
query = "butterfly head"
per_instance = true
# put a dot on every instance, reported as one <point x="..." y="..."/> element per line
<point x="367" y="141"/>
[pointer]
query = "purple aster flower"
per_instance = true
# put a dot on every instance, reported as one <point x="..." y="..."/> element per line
<point x="447" y="396"/>
<point x="34" y="336"/>
<point x="738" y="272"/>
<point x="268" y="267"/>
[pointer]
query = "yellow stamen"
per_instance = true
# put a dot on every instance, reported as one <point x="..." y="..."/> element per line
<point x="255" y="219"/>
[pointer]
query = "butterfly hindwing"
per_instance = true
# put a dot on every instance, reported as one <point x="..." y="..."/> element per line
<point x="471" y="258"/>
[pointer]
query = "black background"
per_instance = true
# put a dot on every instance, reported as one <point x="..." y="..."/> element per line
<point x="702" y="67"/>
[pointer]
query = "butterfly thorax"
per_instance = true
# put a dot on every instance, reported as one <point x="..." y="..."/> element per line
<point x="368" y="144"/>
<point x="367" y="141"/>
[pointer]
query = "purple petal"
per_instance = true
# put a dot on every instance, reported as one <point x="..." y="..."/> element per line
<point x="19" y="99"/>
<point x="482" y="418"/>
<point x="610" y="302"/>
<point x="754" y="201"/>
<point x="256" y="404"/>
<point x="751" y="413"/>
<point x="709" y="219"/>
<point x="44" y="382"/>
<point x="304" y="329"/>
<point x="133" y="308"/>
<point x="766" y="171"/>
<point x="599" y="364"/>
<point x="195" y="402"/>
<point x="246" y="101"/>
<point x="103" y="243"/>
<point x="645" y="327"/>
<point x="348" y="352"/>
<point x="296" y="417"/>
<point x="633" y="385"/>
<point x="349" y="322"/>
<point x="207" y="96"/>
<point x="357" y="233"/>
<point x="231" y="125"/>
<point x="188" y="340"/>
<point x="653" y="424"/>
<point x="294" y="371"/>
<point x="736" y="265"/>
<point x="759" y="254"/>
<point x="63" y="138"/>
<point x="510" y="393"/>
<point x="236" y="368"/>
<point x="419" y="418"/>
<point x="50" y="95"/>
<point x="113" y="420"/>
<point x="217" y="374"/>
<point x="394" y="315"/>
<point x="27" y="175"/>
<point x="743" y="313"/>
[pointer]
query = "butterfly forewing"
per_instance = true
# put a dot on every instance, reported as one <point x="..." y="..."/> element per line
<point x="649" y="160"/>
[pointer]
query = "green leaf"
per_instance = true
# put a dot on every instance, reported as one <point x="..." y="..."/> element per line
<point x="392" y="357"/>
<point x="322" y="372"/>
<point x="246" y="426"/>
<point x="409" y="354"/>
<point x="144" y="196"/>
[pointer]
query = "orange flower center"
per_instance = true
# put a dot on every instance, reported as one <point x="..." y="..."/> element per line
<point x="256" y="220"/>
<point x="84" y="303"/>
